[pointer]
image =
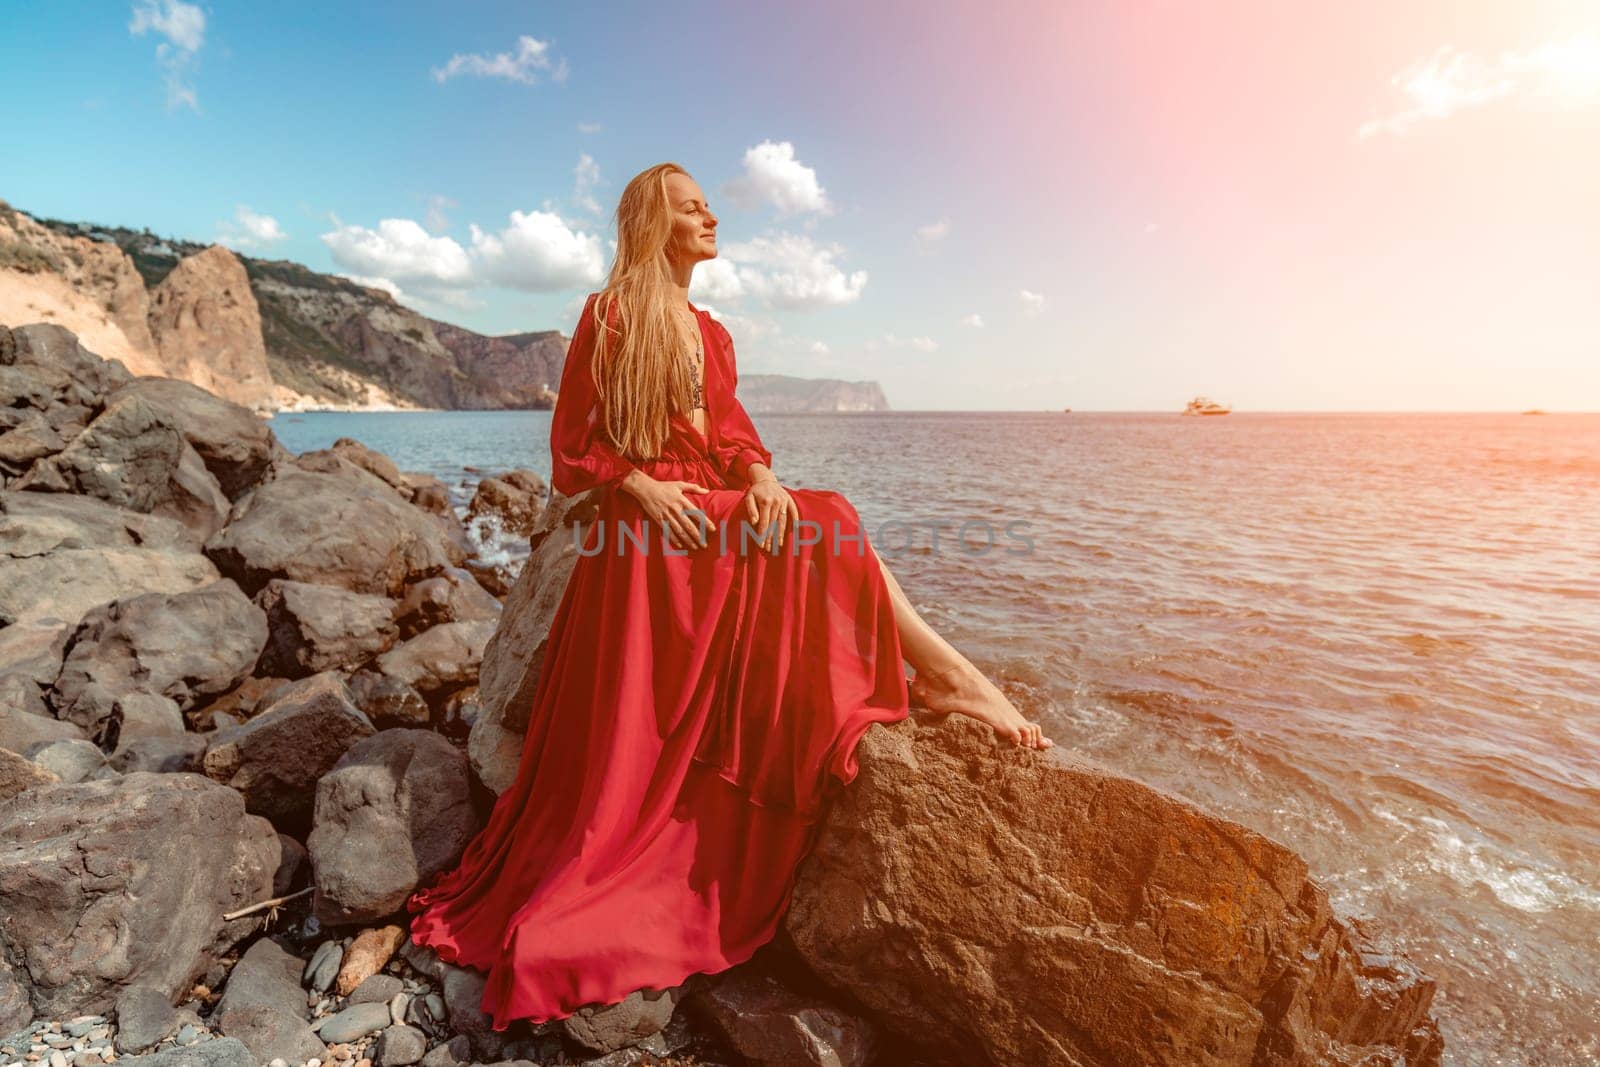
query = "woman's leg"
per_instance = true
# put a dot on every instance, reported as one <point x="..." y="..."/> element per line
<point x="947" y="681"/>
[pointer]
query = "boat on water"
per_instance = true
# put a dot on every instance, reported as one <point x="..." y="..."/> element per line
<point x="1203" y="406"/>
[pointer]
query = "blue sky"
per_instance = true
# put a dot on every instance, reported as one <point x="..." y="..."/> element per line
<point x="1000" y="206"/>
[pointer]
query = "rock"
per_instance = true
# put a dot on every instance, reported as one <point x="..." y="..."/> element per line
<point x="438" y="660"/>
<point x="494" y="750"/>
<point x="354" y="1022"/>
<point x="62" y="555"/>
<point x="277" y="757"/>
<point x="400" y="1046"/>
<point x="366" y="956"/>
<point x="71" y="760"/>
<point x="144" y="1017"/>
<point x="31" y="439"/>
<point x="232" y="441"/>
<point x="765" y="1023"/>
<point x="220" y="1052"/>
<point x="132" y="455"/>
<point x="185" y="647"/>
<point x="291" y="864"/>
<point x="375" y="463"/>
<point x="237" y="705"/>
<point x="124" y="881"/>
<point x="317" y="627"/>
<point x="376" y="989"/>
<point x="205" y="321"/>
<point x="454" y="596"/>
<point x="271" y="1034"/>
<point x="388" y="702"/>
<point x="1023" y="907"/>
<point x="457" y="1050"/>
<point x="160" y="755"/>
<point x="22" y="730"/>
<point x="31" y="651"/>
<point x="639" y="1015"/>
<point x="266" y="976"/>
<point x="323" y="967"/>
<point x="463" y="997"/>
<point x="18" y="774"/>
<point x="514" y="510"/>
<point x="395" y="811"/>
<point x="428" y="493"/>
<point x="424" y="960"/>
<point x="331" y="530"/>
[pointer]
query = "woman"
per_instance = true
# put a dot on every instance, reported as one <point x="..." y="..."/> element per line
<point x="695" y="700"/>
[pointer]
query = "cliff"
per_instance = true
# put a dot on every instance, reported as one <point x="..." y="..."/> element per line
<point x="274" y="335"/>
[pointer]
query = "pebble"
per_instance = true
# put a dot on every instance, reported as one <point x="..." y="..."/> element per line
<point x="188" y="1035"/>
<point x="58" y="1059"/>
<point x="435" y="1005"/>
<point x="397" y="1009"/>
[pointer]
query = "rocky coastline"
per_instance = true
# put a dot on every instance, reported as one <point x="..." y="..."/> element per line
<point x="250" y="700"/>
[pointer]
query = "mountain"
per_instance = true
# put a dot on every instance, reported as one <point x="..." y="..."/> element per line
<point x="274" y="335"/>
<point x="784" y="393"/>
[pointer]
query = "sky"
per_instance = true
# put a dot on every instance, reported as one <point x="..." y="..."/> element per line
<point x="981" y="206"/>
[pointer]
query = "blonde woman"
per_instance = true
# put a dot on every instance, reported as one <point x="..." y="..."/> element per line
<point x="721" y="647"/>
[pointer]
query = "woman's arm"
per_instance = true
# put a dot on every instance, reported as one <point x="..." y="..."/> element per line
<point x="581" y="458"/>
<point x="739" y="446"/>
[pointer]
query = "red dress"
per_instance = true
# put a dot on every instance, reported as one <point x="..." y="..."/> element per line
<point x="691" y="711"/>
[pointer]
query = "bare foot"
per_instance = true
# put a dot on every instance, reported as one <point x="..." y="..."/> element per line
<point x="964" y="689"/>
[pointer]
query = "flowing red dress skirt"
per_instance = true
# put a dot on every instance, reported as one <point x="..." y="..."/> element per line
<point x="690" y="717"/>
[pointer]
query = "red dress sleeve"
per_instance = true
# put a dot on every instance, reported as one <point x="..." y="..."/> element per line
<point x="581" y="456"/>
<point x="738" y="444"/>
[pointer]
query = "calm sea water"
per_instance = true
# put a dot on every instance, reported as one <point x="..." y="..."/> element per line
<point x="1375" y="638"/>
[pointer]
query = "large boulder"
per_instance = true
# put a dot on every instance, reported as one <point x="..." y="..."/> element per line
<point x="453" y="596"/>
<point x="318" y="627"/>
<point x="76" y="371"/>
<point x="207" y="326"/>
<point x="264" y="1006"/>
<point x="109" y="883"/>
<point x="133" y="455"/>
<point x="276" y="758"/>
<point x="395" y="811"/>
<point x="333" y="530"/>
<point x="234" y="443"/>
<point x="61" y="555"/>
<point x="1013" y="906"/>
<point x="185" y="647"/>
<point x="440" y="660"/>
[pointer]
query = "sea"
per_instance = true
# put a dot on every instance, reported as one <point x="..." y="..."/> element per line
<point x="1374" y="638"/>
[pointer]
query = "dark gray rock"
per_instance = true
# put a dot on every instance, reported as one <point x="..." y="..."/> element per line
<point x="333" y="530"/>
<point x="455" y="1051"/>
<point x="607" y="1028"/>
<point x="400" y="1046"/>
<point x="219" y="1052"/>
<point x="160" y="755"/>
<point x="124" y="881"/>
<point x="144" y="1017"/>
<point x="764" y="1022"/>
<point x="376" y="989"/>
<point x="55" y="348"/>
<point x="318" y="627"/>
<point x="234" y="443"/>
<point x="387" y="701"/>
<point x="394" y="812"/>
<point x="271" y="1034"/>
<point x="185" y="647"/>
<point x="266" y="976"/>
<point x="462" y="988"/>
<point x="323" y="967"/>
<point x="354" y="1022"/>
<point x="423" y="960"/>
<point x="276" y="758"/>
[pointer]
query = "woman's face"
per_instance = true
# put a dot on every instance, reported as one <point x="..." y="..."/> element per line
<point x="693" y="225"/>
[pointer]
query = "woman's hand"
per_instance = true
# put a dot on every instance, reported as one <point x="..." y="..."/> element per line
<point x="665" y="503"/>
<point x="768" y="504"/>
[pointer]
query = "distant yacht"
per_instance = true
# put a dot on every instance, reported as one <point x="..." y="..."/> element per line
<point x="1202" y="406"/>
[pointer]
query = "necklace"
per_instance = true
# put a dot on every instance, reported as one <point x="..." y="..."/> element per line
<point x="697" y="396"/>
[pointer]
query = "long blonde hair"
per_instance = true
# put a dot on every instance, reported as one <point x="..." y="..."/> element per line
<point x="639" y="372"/>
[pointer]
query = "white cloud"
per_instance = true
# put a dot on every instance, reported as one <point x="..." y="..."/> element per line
<point x="973" y="319"/>
<point x="403" y="253"/>
<point x="818" y="348"/>
<point x="588" y="127"/>
<point x="933" y="233"/>
<point x="773" y="175"/>
<point x="531" y="57"/>
<point x="250" y="230"/>
<point x="1560" y="73"/>
<point x="377" y="283"/>
<point x="586" y="175"/>
<point x="1032" y="302"/>
<point x="890" y="340"/>
<point x="437" y="220"/>
<point x="538" y="252"/>
<point x="793" y="272"/>
<point x="184" y="27"/>
<point x="716" y="279"/>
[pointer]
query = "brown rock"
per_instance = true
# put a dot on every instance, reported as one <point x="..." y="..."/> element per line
<point x="207" y="326"/>
<point x="372" y="462"/>
<point x="18" y="774"/>
<point x="766" y="1023"/>
<point x="1013" y="906"/>
<point x="366" y="956"/>
<point x="516" y="510"/>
